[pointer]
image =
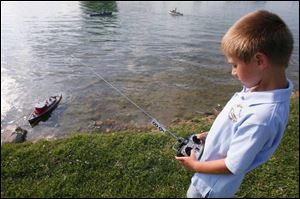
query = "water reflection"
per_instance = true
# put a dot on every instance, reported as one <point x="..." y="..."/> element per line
<point x="89" y="7"/>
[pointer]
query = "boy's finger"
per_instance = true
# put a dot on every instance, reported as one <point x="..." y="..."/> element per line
<point x="192" y="152"/>
<point x="193" y="155"/>
<point x="180" y="158"/>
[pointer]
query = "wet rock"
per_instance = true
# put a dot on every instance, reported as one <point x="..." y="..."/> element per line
<point x="99" y="123"/>
<point x="13" y="134"/>
<point x="217" y="109"/>
<point x="206" y="113"/>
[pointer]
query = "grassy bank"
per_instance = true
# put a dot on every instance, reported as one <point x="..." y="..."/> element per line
<point x="128" y="164"/>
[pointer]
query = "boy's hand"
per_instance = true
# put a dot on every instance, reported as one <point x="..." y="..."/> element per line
<point x="188" y="162"/>
<point x="202" y="136"/>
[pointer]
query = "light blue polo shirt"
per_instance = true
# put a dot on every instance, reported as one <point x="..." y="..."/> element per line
<point x="246" y="133"/>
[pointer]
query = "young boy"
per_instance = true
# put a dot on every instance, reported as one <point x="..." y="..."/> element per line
<point x="250" y="127"/>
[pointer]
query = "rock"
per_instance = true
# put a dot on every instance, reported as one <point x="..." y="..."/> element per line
<point x="99" y="123"/>
<point x="217" y="109"/>
<point x="206" y="113"/>
<point x="13" y="134"/>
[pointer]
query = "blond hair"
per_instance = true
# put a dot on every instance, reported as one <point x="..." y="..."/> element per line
<point x="259" y="31"/>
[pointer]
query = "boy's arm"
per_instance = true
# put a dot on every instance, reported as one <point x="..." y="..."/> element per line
<point x="212" y="167"/>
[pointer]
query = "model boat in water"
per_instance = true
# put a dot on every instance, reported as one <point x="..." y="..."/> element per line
<point x="42" y="110"/>
<point x="175" y="13"/>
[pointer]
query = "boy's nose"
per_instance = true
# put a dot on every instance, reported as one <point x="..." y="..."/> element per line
<point x="233" y="72"/>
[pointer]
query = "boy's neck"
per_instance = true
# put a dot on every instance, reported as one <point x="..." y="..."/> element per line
<point x="274" y="78"/>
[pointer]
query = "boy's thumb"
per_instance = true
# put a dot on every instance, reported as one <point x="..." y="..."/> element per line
<point x="192" y="153"/>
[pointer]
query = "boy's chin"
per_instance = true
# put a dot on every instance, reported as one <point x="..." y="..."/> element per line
<point x="246" y="85"/>
<point x="252" y="84"/>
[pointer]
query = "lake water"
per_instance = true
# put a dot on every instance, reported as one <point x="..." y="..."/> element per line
<point x="170" y="66"/>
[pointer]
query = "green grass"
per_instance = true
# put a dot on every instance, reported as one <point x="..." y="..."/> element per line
<point x="128" y="164"/>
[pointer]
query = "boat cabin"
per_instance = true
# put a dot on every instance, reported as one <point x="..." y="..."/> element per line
<point x="40" y="107"/>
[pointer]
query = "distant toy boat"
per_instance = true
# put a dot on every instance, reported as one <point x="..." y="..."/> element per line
<point x="175" y="13"/>
<point x="101" y="14"/>
<point x="43" y="109"/>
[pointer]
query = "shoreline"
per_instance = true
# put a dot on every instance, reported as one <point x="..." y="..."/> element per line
<point x="112" y="126"/>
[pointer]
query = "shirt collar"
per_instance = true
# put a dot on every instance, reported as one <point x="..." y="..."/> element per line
<point x="266" y="97"/>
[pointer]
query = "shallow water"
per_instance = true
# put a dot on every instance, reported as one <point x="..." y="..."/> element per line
<point x="170" y="66"/>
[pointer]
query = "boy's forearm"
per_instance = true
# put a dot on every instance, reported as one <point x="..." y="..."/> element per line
<point x="213" y="167"/>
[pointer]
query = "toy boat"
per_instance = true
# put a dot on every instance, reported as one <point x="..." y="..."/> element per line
<point x="175" y="13"/>
<point x="43" y="109"/>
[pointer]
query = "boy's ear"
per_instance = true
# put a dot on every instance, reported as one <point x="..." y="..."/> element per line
<point x="261" y="60"/>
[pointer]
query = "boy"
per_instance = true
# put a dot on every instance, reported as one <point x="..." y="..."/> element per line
<point x="250" y="127"/>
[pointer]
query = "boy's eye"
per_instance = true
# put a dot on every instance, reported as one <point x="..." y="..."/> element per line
<point x="234" y="65"/>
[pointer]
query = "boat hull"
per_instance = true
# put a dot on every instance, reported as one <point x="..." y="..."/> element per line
<point x="104" y="14"/>
<point x="175" y="13"/>
<point x="35" y="119"/>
